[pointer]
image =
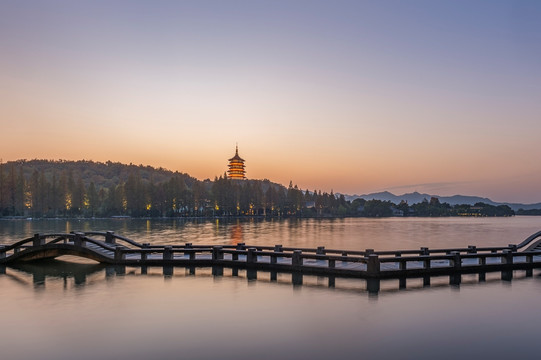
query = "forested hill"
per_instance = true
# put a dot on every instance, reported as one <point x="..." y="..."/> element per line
<point x="46" y="188"/>
<point x="103" y="175"/>
<point x="42" y="188"/>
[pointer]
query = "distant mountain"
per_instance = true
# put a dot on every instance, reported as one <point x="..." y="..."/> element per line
<point x="415" y="197"/>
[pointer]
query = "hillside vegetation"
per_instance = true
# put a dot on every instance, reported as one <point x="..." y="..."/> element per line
<point x="44" y="188"/>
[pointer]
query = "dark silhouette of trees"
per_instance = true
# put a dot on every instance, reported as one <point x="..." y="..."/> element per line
<point x="41" y="188"/>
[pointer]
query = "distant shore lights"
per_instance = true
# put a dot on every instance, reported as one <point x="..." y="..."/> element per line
<point x="236" y="167"/>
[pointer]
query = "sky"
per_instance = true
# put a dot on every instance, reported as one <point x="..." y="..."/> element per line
<point x="442" y="97"/>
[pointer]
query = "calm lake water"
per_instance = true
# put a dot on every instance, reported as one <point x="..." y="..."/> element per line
<point x="66" y="310"/>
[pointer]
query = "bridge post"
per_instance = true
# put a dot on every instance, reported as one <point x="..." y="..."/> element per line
<point x="119" y="254"/>
<point x="189" y="246"/>
<point x="482" y="260"/>
<point x="274" y="258"/>
<point x="144" y="254"/>
<point x="472" y="249"/>
<point x="320" y="250"/>
<point x="507" y="257"/>
<point x="217" y="253"/>
<point x="401" y="263"/>
<point x="332" y="263"/>
<point x="240" y="246"/>
<point x="78" y="239"/>
<point x="372" y="286"/>
<point x="426" y="262"/>
<point x="372" y="266"/>
<point x="424" y="251"/>
<point x="167" y="253"/>
<point x="251" y="257"/>
<point x="513" y="247"/>
<point x="38" y="241"/>
<point x="109" y="238"/>
<point x="296" y="259"/>
<point x="2" y="252"/>
<point x="344" y="254"/>
<point x="456" y="261"/>
<point x="367" y="252"/>
<point x="529" y="260"/>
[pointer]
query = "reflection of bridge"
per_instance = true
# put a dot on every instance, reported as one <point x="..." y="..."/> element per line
<point x="40" y="275"/>
<point x="109" y="248"/>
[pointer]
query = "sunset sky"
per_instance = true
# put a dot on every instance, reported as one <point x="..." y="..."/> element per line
<point x="441" y="97"/>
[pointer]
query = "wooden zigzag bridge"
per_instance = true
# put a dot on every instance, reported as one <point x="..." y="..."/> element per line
<point x="110" y="248"/>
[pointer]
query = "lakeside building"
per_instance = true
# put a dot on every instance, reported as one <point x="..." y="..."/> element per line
<point x="237" y="169"/>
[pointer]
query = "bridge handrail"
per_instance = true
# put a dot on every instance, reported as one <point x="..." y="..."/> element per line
<point x="20" y="243"/>
<point x="529" y="239"/>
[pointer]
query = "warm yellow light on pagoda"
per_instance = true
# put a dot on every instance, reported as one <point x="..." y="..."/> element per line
<point x="236" y="167"/>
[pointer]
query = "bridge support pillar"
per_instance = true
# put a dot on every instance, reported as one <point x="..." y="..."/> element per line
<point x="217" y="253"/>
<point x="38" y="241"/>
<point x="296" y="259"/>
<point x="251" y="274"/>
<point x="167" y="271"/>
<point x="2" y="269"/>
<point x="251" y="257"/>
<point x="167" y="253"/>
<point x="277" y="249"/>
<point x="456" y="261"/>
<point x="218" y="271"/>
<point x="529" y="260"/>
<point x="482" y="276"/>
<point x="426" y="263"/>
<point x="372" y="266"/>
<point x="372" y="285"/>
<point x="332" y="281"/>
<point x="2" y="252"/>
<point x="187" y="246"/>
<point x="507" y="257"/>
<point x="296" y="279"/>
<point x="507" y="275"/>
<point x="119" y="254"/>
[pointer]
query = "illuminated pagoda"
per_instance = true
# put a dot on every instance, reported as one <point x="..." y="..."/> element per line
<point x="236" y="167"/>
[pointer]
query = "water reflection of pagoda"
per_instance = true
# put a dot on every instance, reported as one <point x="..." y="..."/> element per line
<point x="236" y="167"/>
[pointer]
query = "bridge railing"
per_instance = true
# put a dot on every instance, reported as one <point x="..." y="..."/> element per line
<point x="119" y="249"/>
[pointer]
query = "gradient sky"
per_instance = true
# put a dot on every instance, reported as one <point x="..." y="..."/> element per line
<point x="355" y="96"/>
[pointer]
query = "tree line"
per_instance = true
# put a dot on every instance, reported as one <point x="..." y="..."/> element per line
<point x="42" y="188"/>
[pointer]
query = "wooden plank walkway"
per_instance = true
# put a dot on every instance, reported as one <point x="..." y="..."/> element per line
<point x="109" y="248"/>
